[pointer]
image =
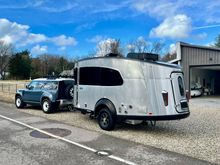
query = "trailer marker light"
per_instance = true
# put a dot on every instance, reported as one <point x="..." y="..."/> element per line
<point x="150" y="113"/>
<point x="165" y="97"/>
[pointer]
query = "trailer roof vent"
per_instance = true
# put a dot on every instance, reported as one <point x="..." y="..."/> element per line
<point x="144" y="56"/>
<point x="112" y="55"/>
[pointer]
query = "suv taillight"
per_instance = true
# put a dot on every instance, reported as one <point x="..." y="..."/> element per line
<point x="165" y="97"/>
<point x="188" y="96"/>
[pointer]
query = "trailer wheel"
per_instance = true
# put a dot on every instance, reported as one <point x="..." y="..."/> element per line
<point x="106" y="119"/>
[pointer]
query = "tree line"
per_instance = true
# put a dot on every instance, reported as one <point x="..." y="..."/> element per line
<point x="21" y="65"/>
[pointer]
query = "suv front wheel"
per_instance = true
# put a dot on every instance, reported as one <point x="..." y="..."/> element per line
<point x="46" y="106"/>
<point x="18" y="102"/>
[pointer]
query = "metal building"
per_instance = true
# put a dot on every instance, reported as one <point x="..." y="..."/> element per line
<point x="201" y="65"/>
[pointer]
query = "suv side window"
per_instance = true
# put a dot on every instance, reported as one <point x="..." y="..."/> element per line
<point x="33" y="85"/>
<point x="50" y="85"/>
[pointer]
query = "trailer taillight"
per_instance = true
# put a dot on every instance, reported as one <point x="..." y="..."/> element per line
<point x="165" y="97"/>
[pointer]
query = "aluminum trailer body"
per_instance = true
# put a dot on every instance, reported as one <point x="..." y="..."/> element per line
<point x="130" y="89"/>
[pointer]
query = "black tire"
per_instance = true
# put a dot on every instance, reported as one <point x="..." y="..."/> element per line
<point x="69" y="91"/>
<point x="71" y="108"/>
<point x="19" y="103"/>
<point x="106" y="119"/>
<point x="47" y="106"/>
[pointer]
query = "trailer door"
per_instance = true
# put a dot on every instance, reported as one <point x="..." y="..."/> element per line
<point x="179" y="95"/>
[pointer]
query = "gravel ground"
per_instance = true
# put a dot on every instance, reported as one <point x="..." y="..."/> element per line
<point x="197" y="136"/>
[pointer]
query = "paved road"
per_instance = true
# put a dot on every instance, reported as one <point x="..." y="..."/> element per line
<point x="17" y="146"/>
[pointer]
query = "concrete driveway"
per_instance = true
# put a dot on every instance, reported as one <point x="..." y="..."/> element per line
<point x="28" y="139"/>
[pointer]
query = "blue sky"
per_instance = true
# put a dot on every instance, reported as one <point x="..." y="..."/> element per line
<point x="74" y="27"/>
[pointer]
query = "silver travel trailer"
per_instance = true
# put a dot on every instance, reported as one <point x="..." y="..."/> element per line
<point x="117" y="89"/>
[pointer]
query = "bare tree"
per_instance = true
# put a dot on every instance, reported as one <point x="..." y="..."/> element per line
<point x="109" y="46"/>
<point x="141" y="46"/>
<point x="6" y="51"/>
<point x="168" y="57"/>
<point x="157" y="47"/>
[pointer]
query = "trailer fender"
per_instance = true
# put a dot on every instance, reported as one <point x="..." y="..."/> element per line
<point x="105" y="103"/>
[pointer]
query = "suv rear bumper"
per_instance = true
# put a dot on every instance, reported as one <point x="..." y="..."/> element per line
<point x="65" y="102"/>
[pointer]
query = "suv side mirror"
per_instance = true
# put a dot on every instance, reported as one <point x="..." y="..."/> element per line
<point x="27" y="86"/>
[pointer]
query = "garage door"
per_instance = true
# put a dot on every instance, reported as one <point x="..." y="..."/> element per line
<point x="207" y="78"/>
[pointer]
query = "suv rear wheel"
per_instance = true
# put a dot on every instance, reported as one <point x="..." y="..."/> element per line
<point x="18" y="102"/>
<point x="46" y="106"/>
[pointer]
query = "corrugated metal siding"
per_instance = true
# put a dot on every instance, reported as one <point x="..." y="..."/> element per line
<point x="192" y="56"/>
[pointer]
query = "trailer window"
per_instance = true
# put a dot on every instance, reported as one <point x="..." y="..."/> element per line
<point x="110" y="77"/>
<point x="89" y="76"/>
<point x="181" y="87"/>
<point x="100" y="76"/>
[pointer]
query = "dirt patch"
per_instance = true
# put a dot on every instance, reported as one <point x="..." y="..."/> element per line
<point x="7" y="97"/>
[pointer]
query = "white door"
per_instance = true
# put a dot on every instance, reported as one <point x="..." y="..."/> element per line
<point x="179" y="94"/>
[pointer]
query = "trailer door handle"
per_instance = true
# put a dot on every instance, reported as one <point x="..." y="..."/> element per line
<point x="81" y="88"/>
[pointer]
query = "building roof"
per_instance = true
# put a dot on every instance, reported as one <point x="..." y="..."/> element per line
<point x="199" y="46"/>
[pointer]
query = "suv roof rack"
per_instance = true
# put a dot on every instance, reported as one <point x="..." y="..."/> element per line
<point x="56" y="77"/>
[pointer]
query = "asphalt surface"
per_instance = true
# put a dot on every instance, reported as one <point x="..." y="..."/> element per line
<point x="80" y="146"/>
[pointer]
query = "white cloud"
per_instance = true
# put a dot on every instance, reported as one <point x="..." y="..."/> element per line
<point x="86" y="26"/>
<point x="158" y="9"/>
<point x="202" y="36"/>
<point x="199" y="10"/>
<point x="19" y="35"/>
<point x="175" y="27"/>
<point x="62" y="48"/>
<point x="96" y="39"/>
<point x="54" y="8"/>
<point x="11" y="32"/>
<point x="36" y="50"/>
<point x="32" y="38"/>
<point x="63" y="40"/>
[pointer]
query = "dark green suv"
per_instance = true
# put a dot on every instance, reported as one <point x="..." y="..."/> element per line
<point x="49" y="93"/>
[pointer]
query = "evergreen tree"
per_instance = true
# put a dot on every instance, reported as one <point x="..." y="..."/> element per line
<point x="217" y="41"/>
<point x="20" y="65"/>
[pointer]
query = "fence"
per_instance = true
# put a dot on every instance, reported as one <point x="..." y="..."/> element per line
<point x="9" y="87"/>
